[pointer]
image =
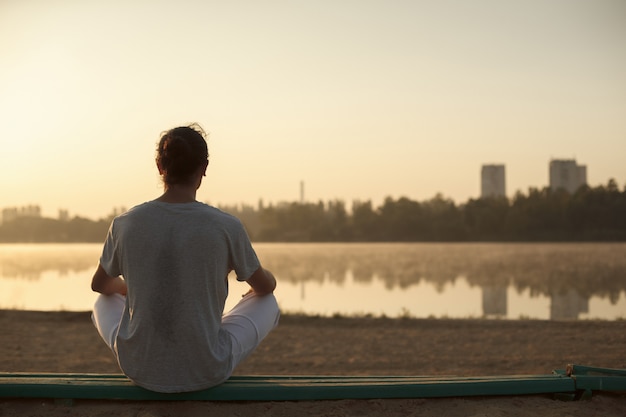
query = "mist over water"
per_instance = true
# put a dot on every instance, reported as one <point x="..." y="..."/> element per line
<point x="456" y="280"/>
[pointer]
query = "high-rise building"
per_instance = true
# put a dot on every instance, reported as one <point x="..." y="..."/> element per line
<point x="567" y="174"/>
<point x="492" y="181"/>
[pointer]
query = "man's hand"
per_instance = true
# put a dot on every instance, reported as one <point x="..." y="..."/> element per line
<point x="262" y="282"/>
<point x="107" y="285"/>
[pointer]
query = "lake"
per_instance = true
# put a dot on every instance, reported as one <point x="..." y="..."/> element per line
<point x="559" y="281"/>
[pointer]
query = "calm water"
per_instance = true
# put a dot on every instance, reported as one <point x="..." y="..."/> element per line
<point x="512" y="281"/>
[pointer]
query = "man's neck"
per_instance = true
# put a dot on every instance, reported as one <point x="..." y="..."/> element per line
<point x="178" y="194"/>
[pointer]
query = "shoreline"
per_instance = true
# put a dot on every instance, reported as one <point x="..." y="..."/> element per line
<point x="406" y="316"/>
<point x="291" y="315"/>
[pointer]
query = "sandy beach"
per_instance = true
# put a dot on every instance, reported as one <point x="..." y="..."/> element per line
<point x="67" y="342"/>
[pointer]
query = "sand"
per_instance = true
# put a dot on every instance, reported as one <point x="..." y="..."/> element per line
<point x="67" y="342"/>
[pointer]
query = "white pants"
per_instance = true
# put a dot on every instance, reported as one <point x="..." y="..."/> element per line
<point x="247" y="323"/>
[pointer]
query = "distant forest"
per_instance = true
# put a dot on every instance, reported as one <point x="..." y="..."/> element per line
<point x="591" y="214"/>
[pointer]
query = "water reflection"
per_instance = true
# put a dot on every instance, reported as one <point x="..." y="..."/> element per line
<point x="568" y="274"/>
<point x="30" y="261"/>
<point x="558" y="281"/>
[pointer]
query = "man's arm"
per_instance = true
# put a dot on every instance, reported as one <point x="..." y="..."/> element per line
<point x="107" y="285"/>
<point x="262" y="281"/>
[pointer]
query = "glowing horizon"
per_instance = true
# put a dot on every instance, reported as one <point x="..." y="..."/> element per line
<point x="359" y="99"/>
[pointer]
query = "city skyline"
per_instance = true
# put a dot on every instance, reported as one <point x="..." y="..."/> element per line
<point x="494" y="187"/>
<point x="360" y="100"/>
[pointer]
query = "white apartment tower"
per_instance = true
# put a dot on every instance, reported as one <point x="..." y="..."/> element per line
<point x="492" y="181"/>
<point x="567" y="174"/>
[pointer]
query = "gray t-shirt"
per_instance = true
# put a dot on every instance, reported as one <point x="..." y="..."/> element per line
<point x="175" y="259"/>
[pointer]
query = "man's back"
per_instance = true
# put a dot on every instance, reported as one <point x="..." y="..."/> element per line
<point x="175" y="259"/>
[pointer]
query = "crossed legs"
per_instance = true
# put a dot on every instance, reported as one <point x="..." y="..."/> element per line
<point x="248" y="323"/>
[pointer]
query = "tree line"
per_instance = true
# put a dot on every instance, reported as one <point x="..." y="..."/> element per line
<point x="590" y="214"/>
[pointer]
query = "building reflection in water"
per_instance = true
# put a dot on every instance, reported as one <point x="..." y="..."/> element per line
<point x="568" y="305"/>
<point x="563" y="306"/>
<point x="494" y="301"/>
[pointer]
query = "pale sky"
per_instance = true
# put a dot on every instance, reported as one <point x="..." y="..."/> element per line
<point x="359" y="99"/>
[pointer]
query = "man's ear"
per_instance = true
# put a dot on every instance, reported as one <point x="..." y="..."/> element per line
<point x="206" y="165"/>
<point x="158" y="164"/>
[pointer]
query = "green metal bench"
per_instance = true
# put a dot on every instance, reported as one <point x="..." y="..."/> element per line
<point x="589" y="379"/>
<point x="564" y="384"/>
